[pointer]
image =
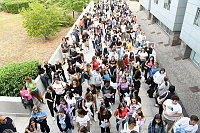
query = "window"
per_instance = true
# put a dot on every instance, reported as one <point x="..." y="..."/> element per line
<point x="156" y="1"/>
<point x="167" y="4"/>
<point x="197" y="18"/>
<point x="195" y="57"/>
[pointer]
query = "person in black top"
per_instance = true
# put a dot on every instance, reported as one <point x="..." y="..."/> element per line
<point x="64" y="121"/>
<point x="109" y="92"/>
<point x="136" y="80"/>
<point x="71" y="70"/>
<point x="104" y="116"/>
<point x="50" y="96"/>
<point x="73" y="53"/>
<point x="112" y="67"/>
<point x="6" y="123"/>
<point x="75" y="88"/>
<point x="148" y="49"/>
<point x="70" y="60"/>
<point x="59" y="69"/>
<point x="47" y="67"/>
<point x="43" y="76"/>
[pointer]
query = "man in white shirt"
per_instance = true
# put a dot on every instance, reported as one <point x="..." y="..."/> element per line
<point x="171" y="111"/>
<point x="186" y="124"/>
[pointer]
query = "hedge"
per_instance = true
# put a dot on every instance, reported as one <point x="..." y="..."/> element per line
<point x="14" y="6"/>
<point x="12" y="75"/>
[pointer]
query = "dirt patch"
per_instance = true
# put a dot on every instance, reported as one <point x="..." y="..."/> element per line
<point x="16" y="46"/>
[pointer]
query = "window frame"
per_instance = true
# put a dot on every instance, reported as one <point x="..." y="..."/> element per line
<point x="197" y="17"/>
<point x="167" y="4"/>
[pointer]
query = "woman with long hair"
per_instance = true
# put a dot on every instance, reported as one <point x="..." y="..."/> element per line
<point x="32" y="126"/>
<point x="104" y="115"/>
<point x="156" y="125"/>
<point x="147" y="66"/>
<point x="32" y="88"/>
<point x="70" y="99"/>
<point x="76" y="88"/>
<point x="120" y="115"/>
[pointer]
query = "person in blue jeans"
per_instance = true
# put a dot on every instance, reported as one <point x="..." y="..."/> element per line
<point x="156" y="125"/>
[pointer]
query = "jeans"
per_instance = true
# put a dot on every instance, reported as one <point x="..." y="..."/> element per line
<point x="118" y="51"/>
<point x="44" y="81"/>
<point x="117" y="125"/>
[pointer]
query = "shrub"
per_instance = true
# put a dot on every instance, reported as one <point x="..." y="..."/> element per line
<point x="14" y="6"/>
<point x="12" y="75"/>
<point x="40" y="21"/>
<point x="67" y="21"/>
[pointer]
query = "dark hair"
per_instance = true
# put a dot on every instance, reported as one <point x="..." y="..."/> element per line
<point x="83" y="129"/>
<point x="149" y="59"/>
<point x="62" y="111"/>
<point x="106" y="102"/>
<point x="21" y="87"/>
<point x="172" y="88"/>
<point x="32" y="119"/>
<point x="63" y="100"/>
<point x="162" y="69"/>
<point x="175" y="97"/>
<point x="132" y="121"/>
<point x="102" y="108"/>
<point x="194" y="118"/>
<point x="81" y="112"/>
<point x="166" y="79"/>
<point x="70" y="94"/>
<point x="120" y="106"/>
<point x="50" y="88"/>
<point x="157" y="116"/>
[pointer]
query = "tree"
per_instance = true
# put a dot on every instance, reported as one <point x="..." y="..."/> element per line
<point x="40" y="21"/>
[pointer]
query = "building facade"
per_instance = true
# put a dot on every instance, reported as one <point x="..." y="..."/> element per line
<point x="190" y="33"/>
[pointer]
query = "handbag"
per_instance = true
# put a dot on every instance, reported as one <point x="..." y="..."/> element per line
<point x="160" y="101"/>
<point x="25" y="101"/>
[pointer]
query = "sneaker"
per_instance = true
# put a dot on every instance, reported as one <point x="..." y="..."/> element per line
<point x="99" y="97"/>
<point x="53" y="118"/>
<point x="95" y="119"/>
<point x="96" y="112"/>
<point x="74" y="118"/>
<point x="43" y="102"/>
<point x="156" y="105"/>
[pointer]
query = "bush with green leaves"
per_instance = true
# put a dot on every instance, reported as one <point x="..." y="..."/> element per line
<point x="40" y="21"/>
<point x="14" y="6"/>
<point x="67" y="21"/>
<point x="12" y="75"/>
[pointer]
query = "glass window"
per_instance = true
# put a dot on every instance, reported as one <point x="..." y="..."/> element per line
<point x="197" y="18"/>
<point x="156" y="1"/>
<point x="167" y="4"/>
<point x="195" y="57"/>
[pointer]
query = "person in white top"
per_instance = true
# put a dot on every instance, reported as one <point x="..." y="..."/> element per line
<point x="130" y="126"/>
<point x="186" y="125"/>
<point x="59" y="87"/>
<point x="171" y="111"/>
<point x="82" y="120"/>
<point x="70" y="99"/>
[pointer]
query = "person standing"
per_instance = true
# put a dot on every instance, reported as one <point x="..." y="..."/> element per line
<point x="156" y="125"/>
<point x="64" y="121"/>
<point x="82" y="120"/>
<point x="186" y="125"/>
<point x="120" y="115"/>
<point x="40" y="117"/>
<point x="104" y="115"/>
<point x="50" y="96"/>
<point x="32" y="88"/>
<point x="97" y="81"/>
<point x="171" y="111"/>
<point x="25" y="94"/>
<point x="7" y="123"/>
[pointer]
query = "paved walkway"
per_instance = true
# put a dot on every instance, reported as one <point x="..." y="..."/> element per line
<point x="147" y="104"/>
<point x="182" y="73"/>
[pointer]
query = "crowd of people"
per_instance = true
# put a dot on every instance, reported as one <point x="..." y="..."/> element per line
<point x="123" y="59"/>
